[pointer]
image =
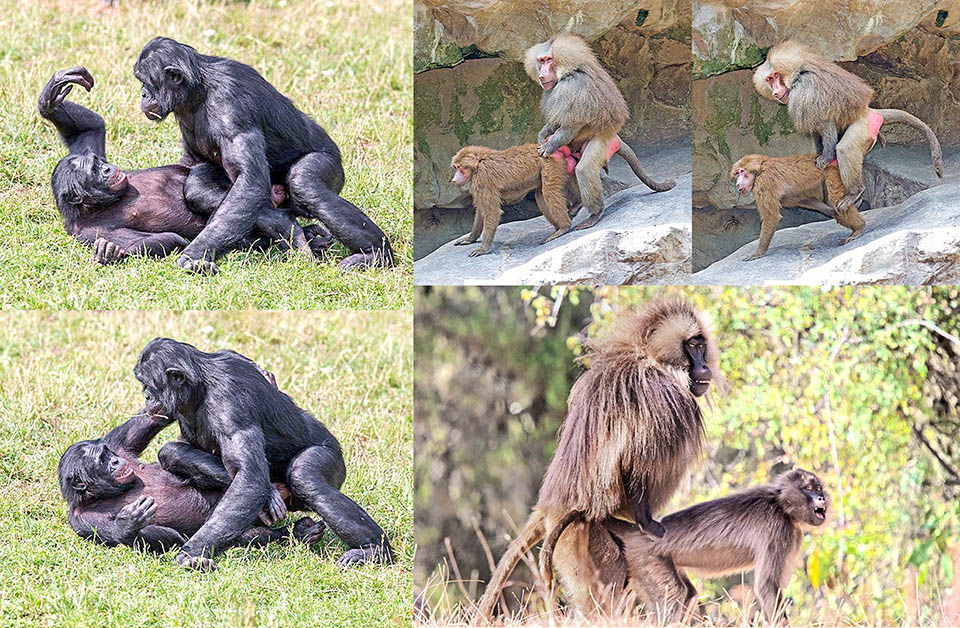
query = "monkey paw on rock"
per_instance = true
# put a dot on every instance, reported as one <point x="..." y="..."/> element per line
<point x="478" y="251"/>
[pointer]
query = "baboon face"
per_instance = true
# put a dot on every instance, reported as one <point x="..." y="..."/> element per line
<point x="780" y="91"/>
<point x="807" y="501"/>
<point x="696" y="351"/>
<point x="464" y="165"/>
<point x="744" y="180"/>
<point x="547" y="70"/>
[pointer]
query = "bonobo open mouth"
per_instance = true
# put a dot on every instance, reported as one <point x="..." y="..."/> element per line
<point x="153" y="115"/>
<point x="118" y="179"/>
<point x="125" y="472"/>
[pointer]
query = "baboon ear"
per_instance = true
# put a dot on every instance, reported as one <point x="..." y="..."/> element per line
<point x="173" y="74"/>
<point x="78" y="485"/>
<point x="175" y="376"/>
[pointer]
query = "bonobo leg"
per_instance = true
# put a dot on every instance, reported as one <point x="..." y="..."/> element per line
<point x="313" y="183"/>
<point x="205" y="470"/>
<point x="207" y="185"/>
<point x="314" y="477"/>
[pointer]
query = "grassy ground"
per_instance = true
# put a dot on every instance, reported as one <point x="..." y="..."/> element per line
<point x="348" y="64"/>
<point x="68" y="376"/>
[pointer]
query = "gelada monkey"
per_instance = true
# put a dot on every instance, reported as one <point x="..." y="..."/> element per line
<point x="633" y="426"/>
<point x="496" y="177"/>
<point x="759" y="529"/>
<point x="795" y="181"/>
<point x="584" y="110"/>
<point x="828" y="102"/>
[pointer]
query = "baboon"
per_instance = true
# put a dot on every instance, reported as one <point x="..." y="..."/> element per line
<point x="584" y="110"/>
<point x="633" y="426"/>
<point x="794" y="181"/>
<point x="758" y="529"/>
<point x="828" y="102"/>
<point x="496" y="177"/>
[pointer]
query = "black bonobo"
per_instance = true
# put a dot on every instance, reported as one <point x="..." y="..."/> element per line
<point x="231" y="116"/>
<point x="146" y="212"/>
<point x="115" y="499"/>
<point x="226" y="407"/>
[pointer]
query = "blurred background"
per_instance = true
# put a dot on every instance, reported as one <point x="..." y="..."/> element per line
<point x="859" y="385"/>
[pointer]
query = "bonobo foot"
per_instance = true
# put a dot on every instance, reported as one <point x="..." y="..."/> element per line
<point x="366" y="554"/>
<point x="308" y="531"/>
<point x="198" y="563"/>
<point x="199" y="266"/>
<point x="367" y="260"/>
<point x="318" y="238"/>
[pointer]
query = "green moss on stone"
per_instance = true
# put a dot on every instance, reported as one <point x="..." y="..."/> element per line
<point x="642" y="16"/>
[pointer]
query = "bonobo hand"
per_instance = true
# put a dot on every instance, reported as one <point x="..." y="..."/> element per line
<point x="308" y="531"/>
<point x="135" y="516"/>
<point x="199" y="563"/>
<point x="199" y="266"/>
<point x="60" y="85"/>
<point x="275" y="510"/>
<point x="106" y="252"/>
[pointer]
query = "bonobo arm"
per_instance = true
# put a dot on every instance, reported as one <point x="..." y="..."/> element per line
<point x="80" y="129"/>
<point x="130" y="526"/>
<point x="561" y="137"/>
<point x="112" y="244"/>
<point x="244" y="159"/>
<point x="135" y="433"/>
<point x="241" y="450"/>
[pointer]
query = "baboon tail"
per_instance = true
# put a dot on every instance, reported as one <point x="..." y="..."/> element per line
<point x="530" y="535"/>
<point x="549" y="543"/>
<point x="897" y="115"/>
<point x="627" y="153"/>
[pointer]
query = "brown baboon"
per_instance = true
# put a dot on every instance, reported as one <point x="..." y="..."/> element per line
<point x="828" y="102"/>
<point x="795" y="181"/>
<point x="758" y="529"/>
<point x="585" y="110"/>
<point x="633" y="426"/>
<point x="496" y="177"/>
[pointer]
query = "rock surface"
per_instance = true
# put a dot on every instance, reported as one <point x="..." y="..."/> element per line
<point x="644" y="237"/>
<point x="915" y="242"/>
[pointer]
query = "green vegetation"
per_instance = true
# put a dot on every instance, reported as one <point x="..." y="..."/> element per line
<point x="348" y="64"/>
<point x="68" y="376"/>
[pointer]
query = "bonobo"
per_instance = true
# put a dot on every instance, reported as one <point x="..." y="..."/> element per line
<point x="117" y="500"/>
<point x="144" y="212"/>
<point x="231" y="116"/>
<point x="226" y="407"/>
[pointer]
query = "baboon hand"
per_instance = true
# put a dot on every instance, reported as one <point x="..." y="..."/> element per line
<point x="823" y="161"/>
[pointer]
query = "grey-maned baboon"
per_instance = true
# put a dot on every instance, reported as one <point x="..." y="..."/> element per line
<point x="827" y="102"/>
<point x="633" y="426"/>
<point x="584" y="110"/>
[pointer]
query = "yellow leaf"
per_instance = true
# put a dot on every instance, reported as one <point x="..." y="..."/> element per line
<point x="813" y="570"/>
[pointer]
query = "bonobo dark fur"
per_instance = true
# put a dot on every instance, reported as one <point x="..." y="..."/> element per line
<point x="225" y="406"/>
<point x="229" y="115"/>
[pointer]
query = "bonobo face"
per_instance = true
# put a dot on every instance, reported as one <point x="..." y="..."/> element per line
<point x="167" y="72"/>
<point x="87" y="180"/>
<point x="167" y="391"/>
<point x="696" y="350"/>
<point x="547" y="74"/>
<point x="90" y="470"/>
<point x="744" y="180"/>
<point x="780" y="90"/>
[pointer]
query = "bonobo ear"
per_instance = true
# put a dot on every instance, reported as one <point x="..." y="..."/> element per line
<point x="173" y="74"/>
<point x="75" y="200"/>
<point x="175" y="376"/>
<point x="78" y="485"/>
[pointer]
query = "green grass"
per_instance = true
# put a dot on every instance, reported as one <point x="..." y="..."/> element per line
<point x="346" y="63"/>
<point x="68" y="376"/>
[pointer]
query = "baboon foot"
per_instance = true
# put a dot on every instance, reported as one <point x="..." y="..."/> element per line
<point x="574" y="211"/>
<point x="756" y="255"/>
<point x="851" y="237"/>
<point x="849" y="201"/>
<point x="478" y="251"/>
<point x="556" y="234"/>
<point x="589" y="222"/>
